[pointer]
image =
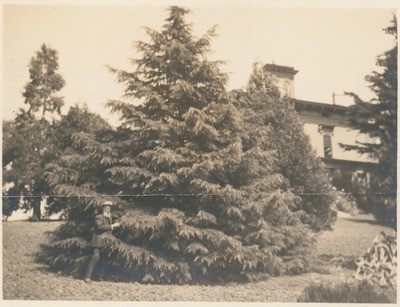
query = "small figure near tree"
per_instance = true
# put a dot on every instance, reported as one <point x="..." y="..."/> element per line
<point x="103" y="224"/>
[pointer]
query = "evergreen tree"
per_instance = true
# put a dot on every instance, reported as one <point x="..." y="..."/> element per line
<point x="273" y="120"/>
<point x="28" y="147"/>
<point x="195" y="203"/>
<point x="78" y="120"/>
<point x="11" y="148"/>
<point x="28" y="141"/>
<point x="41" y="91"/>
<point x="378" y="119"/>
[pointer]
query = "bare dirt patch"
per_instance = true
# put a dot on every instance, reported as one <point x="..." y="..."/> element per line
<point x="25" y="279"/>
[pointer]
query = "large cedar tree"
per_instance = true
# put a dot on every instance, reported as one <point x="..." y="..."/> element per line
<point x="195" y="203"/>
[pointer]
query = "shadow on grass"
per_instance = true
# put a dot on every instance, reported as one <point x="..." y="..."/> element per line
<point x="366" y="221"/>
<point x="34" y="221"/>
<point x="347" y="292"/>
<point x="372" y="222"/>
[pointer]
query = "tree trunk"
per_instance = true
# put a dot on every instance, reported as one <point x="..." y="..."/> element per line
<point x="37" y="214"/>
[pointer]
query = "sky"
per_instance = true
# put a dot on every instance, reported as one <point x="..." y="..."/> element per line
<point x="333" y="48"/>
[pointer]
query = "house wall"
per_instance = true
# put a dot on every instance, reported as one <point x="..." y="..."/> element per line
<point x="339" y="135"/>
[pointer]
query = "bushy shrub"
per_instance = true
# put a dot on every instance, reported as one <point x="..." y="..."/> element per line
<point x="383" y="207"/>
<point x="344" y="202"/>
<point x="371" y="198"/>
<point x="344" y="179"/>
<point x="344" y="292"/>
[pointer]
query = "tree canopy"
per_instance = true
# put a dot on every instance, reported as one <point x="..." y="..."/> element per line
<point x="41" y="91"/>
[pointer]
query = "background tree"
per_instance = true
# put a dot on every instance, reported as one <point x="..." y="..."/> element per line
<point x="77" y="121"/>
<point x="41" y="91"/>
<point x="378" y="119"/>
<point x="28" y="148"/>
<point x="11" y="201"/>
<point x="195" y="203"/>
<point x="19" y="165"/>
<point x="274" y="121"/>
<point x="28" y="140"/>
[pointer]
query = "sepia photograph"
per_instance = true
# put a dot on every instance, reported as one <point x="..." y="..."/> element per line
<point x="213" y="152"/>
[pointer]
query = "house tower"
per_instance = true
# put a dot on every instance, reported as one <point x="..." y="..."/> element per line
<point x="284" y="76"/>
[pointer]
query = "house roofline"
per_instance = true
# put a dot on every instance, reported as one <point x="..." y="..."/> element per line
<point x="301" y="105"/>
<point x="333" y="161"/>
<point x="280" y="68"/>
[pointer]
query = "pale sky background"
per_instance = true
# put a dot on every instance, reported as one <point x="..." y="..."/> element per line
<point x="333" y="48"/>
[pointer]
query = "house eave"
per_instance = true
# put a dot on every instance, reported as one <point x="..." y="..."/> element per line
<point x="322" y="108"/>
<point x="350" y="164"/>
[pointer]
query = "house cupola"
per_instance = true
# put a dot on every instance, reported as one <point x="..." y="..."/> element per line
<point x="284" y="76"/>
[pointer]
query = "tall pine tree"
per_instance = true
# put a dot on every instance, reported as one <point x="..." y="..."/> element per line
<point x="195" y="203"/>
<point x="41" y="91"/>
<point x="378" y="119"/>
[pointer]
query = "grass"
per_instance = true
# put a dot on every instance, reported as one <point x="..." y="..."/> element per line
<point x="25" y="279"/>
<point x="350" y="237"/>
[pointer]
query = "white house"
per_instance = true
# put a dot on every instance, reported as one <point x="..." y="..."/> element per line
<point x="327" y="126"/>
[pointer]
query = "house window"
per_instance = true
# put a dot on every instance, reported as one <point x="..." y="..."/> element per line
<point x="327" y="146"/>
<point x="286" y="89"/>
<point x="327" y="132"/>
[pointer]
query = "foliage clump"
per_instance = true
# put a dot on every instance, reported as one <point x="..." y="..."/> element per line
<point x="344" y="202"/>
<point x="196" y="200"/>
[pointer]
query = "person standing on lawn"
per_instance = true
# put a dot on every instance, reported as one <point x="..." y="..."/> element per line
<point x="103" y="224"/>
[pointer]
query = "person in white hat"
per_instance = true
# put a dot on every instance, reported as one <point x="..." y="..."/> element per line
<point x="103" y="224"/>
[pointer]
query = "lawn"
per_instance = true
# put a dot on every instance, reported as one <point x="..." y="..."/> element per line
<point x="24" y="279"/>
<point x="351" y="236"/>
